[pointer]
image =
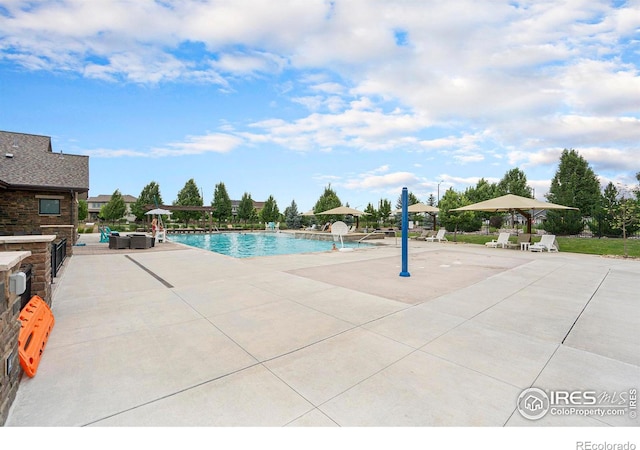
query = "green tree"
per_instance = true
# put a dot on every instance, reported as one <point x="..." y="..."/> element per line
<point x="483" y="190"/>
<point x="83" y="210"/>
<point x="574" y="184"/>
<point x="328" y="200"/>
<point x="384" y="210"/>
<point x="221" y="203"/>
<point x="371" y="215"/>
<point x="625" y="217"/>
<point x="189" y="195"/>
<point x="514" y="182"/>
<point x="246" y="210"/>
<point x="602" y="222"/>
<point x="270" y="212"/>
<point x="455" y="221"/>
<point x="150" y="195"/>
<point x="291" y="216"/>
<point x="115" y="208"/>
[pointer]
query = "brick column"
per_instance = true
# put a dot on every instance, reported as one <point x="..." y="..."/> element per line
<point x="10" y="370"/>
<point x="40" y="248"/>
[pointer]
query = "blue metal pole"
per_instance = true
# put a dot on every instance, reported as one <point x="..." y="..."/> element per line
<point x="405" y="233"/>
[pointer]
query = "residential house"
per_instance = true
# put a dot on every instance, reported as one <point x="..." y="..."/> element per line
<point x="39" y="189"/>
<point x="95" y="203"/>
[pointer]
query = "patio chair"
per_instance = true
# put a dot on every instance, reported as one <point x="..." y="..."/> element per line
<point x="105" y="232"/>
<point x="503" y="241"/>
<point x="548" y="243"/>
<point x="438" y="237"/>
<point x="423" y="236"/>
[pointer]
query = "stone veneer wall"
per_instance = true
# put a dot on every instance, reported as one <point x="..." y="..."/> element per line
<point x="40" y="248"/>
<point x="10" y="370"/>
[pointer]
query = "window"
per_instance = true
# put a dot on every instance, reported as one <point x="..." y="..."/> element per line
<point x="49" y="206"/>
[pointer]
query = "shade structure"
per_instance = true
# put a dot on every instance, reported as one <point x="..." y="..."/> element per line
<point x="308" y="213"/>
<point x="341" y="210"/>
<point x="159" y="212"/>
<point x="422" y="208"/>
<point x="511" y="202"/>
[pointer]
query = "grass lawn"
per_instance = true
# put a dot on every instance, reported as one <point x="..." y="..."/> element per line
<point x="593" y="246"/>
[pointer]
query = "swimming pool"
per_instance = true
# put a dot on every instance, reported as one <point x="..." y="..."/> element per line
<point x="247" y="245"/>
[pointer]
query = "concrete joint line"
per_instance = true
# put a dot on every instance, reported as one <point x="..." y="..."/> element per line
<point x="585" y="305"/>
<point x="157" y="277"/>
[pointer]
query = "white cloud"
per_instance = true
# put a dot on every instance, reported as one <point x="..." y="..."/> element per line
<point x="192" y="145"/>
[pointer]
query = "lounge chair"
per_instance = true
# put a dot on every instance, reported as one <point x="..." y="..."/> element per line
<point x="311" y="228"/>
<point x="423" y="236"/>
<point x="438" y="237"/>
<point x="502" y="241"/>
<point x="548" y="243"/>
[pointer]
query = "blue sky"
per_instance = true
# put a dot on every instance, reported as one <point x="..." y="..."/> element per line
<point x="286" y="97"/>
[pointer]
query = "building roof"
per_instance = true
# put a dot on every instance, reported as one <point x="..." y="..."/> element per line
<point x="27" y="161"/>
<point x="103" y="198"/>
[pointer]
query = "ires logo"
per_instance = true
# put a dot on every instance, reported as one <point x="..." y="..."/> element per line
<point x="535" y="403"/>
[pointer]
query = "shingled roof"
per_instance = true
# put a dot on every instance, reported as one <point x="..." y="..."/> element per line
<point x="28" y="162"/>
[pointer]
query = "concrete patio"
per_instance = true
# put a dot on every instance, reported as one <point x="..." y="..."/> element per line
<point x="193" y="338"/>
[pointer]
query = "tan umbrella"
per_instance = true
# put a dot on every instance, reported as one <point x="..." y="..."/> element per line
<point x="512" y="202"/>
<point x="308" y="213"/>
<point x="421" y="208"/>
<point x="342" y="210"/>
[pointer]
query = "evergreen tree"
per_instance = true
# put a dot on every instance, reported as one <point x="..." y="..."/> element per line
<point x="189" y="195"/>
<point x="221" y="203"/>
<point x="246" y="210"/>
<point x="384" y="210"/>
<point x="291" y="216"/>
<point x="150" y="195"/>
<point x="270" y="212"/>
<point x="328" y="200"/>
<point x="115" y="208"/>
<point x="575" y="184"/>
<point x="371" y="215"/>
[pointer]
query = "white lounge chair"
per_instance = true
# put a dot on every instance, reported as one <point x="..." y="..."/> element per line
<point x="438" y="237"/>
<point x="503" y="241"/>
<point x="548" y="243"/>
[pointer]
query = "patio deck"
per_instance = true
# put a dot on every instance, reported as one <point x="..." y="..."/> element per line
<point x="192" y="338"/>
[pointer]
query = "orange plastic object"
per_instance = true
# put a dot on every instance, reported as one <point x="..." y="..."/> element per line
<point x="37" y="323"/>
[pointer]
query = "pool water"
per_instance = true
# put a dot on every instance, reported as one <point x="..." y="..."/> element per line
<point x="247" y="245"/>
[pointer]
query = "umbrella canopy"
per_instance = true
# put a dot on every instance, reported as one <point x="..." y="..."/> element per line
<point x="159" y="212"/>
<point x="421" y="208"/>
<point x="308" y="213"/>
<point x="512" y="202"/>
<point x="342" y="210"/>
